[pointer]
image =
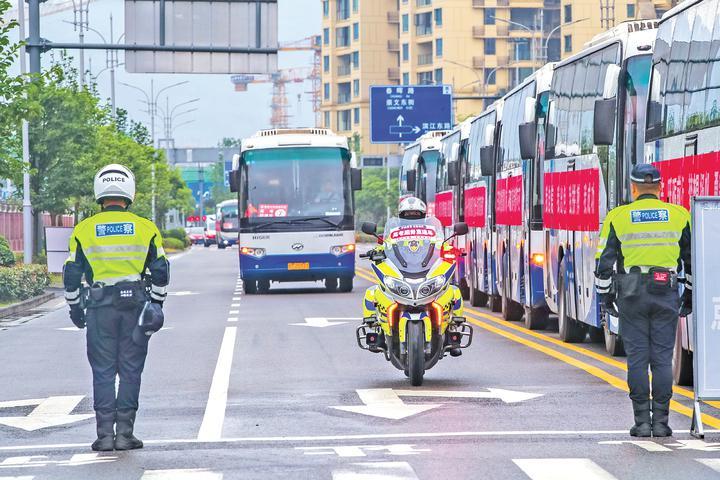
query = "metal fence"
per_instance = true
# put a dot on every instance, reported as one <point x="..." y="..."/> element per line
<point x="11" y="224"/>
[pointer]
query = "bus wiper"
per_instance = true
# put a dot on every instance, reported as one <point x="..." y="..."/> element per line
<point x="274" y="222"/>
<point x="336" y="225"/>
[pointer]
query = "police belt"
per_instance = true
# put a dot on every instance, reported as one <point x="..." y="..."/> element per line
<point x="123" y="295"/>
<point x="656" y="280"/>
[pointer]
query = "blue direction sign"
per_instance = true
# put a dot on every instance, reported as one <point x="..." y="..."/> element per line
<point x="401" y="113"/>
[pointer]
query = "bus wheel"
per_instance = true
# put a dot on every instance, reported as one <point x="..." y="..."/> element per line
<point x="331" y="284"/>
<point x="682" y="363"/>
<point x="464" y="289"/>
<point x="597" y="335"/>
<point x="511" y="311"/>
<point x="613" y="343"/>
<point x="346" y="284"/>
<point x="495" y="303"/>
<point x="221" y="245"/>
<point x="250" y="287"/>
<point x="570" y="330"/>
<point x="477" y="298"/>
<point x="263" y="286"/>
<point x="536" y="318"/>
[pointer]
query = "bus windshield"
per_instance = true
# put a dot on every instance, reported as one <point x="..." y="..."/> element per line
<point x="637" y="81"/>
<point x="428" y="175"/>
<point x="295" y="183"/>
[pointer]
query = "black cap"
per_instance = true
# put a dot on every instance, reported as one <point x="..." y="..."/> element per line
<point x="150" y="320"/>
<point x="645" y="173"/>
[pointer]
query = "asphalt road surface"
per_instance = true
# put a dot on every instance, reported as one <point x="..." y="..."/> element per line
<point x="274" y="386"/>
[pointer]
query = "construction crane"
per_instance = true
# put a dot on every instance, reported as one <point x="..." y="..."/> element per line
<point x="279" y="104"/>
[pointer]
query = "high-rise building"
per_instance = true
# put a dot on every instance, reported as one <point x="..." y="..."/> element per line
<point x="483" y="48"/>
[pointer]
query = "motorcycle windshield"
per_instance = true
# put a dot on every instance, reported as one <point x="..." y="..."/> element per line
<point x="413" y="245"/>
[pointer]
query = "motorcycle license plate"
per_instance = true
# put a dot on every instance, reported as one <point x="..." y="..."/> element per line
<point x="299" y="266"/>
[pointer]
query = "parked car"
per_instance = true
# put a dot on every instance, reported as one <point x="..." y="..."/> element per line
<point x="196" y="235"/>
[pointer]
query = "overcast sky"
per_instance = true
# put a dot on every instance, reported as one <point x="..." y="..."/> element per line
<point x="222" y="112"/>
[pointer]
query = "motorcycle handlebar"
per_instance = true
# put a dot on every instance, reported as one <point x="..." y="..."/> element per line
<point x="365" y="255"/>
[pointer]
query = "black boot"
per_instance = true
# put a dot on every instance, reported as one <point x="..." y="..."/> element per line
<point x="642" y="427"/>
<point x="660" y="417"/>
<point x="125" y="440"/>
<point x="105" y="431"/>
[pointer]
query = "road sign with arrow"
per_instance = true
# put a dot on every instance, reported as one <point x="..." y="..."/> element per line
<point x="386" y="402"/>
<point x="401" y="113"/>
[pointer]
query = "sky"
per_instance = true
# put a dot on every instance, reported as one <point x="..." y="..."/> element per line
<point x="222" y="112"/>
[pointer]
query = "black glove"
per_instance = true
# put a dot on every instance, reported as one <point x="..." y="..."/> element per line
<point x="686" y="303"/>
<point x="77" y="315"/>
<point x="607" y="304"/>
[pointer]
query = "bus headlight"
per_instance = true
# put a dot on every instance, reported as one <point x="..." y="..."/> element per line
<point x="338" y="250"/>
<point x="253" y="252"/>
<point x="431" y="287"/>
<point x="398" y="287"/>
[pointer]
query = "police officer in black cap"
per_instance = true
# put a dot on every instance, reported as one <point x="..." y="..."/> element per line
<point x="643" y="246"/>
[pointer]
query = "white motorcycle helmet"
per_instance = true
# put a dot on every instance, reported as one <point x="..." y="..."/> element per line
<point x="412" y="208"/>
<point x="114" y="181"/>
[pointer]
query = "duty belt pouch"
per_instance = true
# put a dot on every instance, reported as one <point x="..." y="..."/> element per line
<point x="660" y="280"/>
<point x="127" y="296"/>
<point x="629" y="285"/>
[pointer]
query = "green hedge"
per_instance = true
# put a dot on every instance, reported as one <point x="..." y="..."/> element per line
<point x="171" y="243"/>
<point x="7" y="257"/>
<point x="178" y="234"/>
<point x="22" y="282"/>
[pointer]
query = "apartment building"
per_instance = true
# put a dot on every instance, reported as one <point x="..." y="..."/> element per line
<point x="483" y="48"/>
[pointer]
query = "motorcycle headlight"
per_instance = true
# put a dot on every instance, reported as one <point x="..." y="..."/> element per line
<point x="398" y="287"/>
<point x="431" y="287"/>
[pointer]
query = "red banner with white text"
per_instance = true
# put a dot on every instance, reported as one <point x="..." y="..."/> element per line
<point x="444" y="207"/>
<point x="474" y="208"/>
<point x="571" y="200"/>
<point x="683" y="178"/>
<point x="508" y="201"/>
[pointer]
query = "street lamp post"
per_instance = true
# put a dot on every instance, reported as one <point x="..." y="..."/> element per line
<point x="552" y="32"/>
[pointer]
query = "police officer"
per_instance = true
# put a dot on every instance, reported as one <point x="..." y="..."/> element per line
<point x="121" y="257"/>
<point x="647" y="242"/>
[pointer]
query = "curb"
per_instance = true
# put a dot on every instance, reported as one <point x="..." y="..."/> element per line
<point x="26" y="304"/>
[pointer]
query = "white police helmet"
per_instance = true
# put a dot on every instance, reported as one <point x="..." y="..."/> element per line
<point x="114" y="181"/>
<point x="412" y="208"/>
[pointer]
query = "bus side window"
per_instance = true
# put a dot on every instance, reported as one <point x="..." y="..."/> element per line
<point x="697" y="70"/>
<point x="608" y="153"/>
<point x="675" y="92"/>
<point x="712" y="103"/>
<point x="658" y="81"/>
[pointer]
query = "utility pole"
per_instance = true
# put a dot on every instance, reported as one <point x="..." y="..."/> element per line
<point x="27" y="203"/>
<point x="80" y="12"/>
<point x="113" y="56"/>
<point x="152" y="109"/>
<point x="201" y="175"/>
<point x="34" y="51"/>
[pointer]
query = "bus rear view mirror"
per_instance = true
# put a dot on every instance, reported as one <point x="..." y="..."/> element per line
<point x="234" y="180"/>
<point x="487" y="161"/>
<point x="453" y="173"/>
<point x="528" y="146"/>
<point x="356" y="179"/>
<point x="604" y="122"/>
<point x="411" y="180"/>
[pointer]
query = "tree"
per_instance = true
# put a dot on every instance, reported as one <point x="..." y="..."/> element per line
<point x="367" y="206"/>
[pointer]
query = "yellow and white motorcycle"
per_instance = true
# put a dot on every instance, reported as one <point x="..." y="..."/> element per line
<point x="413" y="315"/>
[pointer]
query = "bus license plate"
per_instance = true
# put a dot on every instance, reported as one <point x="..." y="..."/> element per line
<point x="299" y="266"/>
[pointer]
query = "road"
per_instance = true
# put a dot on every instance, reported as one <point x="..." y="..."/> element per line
<point x="246" y="387"/>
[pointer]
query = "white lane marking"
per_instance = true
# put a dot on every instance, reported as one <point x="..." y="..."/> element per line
<point x="562" y="469"/>
<point x="385" y="403"/>
<point x="232" y="319"/>
<point x="69" y="329"/>
<point x="235" y="305"/>
<point x="507" y="396"/>
<point x="212" y="424"/>
<point x="182" y="474"/>
<point x="376" y="471"/>
<point x="49" y="412"/>
<point x="317" y="322"/>
<point x="400" y="449"/>
<point x="713" y="463"/>
<point x="699" y="445"/>
<point x="234" y="312"/>
<point x="82" y="459"/>
<point x="646" y="445"/>
<point x="329" y="438"/>
<point x="236" y="298"/>
<point x="21" y="477"/>
<point x="180" y="255"/>
<point x="183" y="293"/>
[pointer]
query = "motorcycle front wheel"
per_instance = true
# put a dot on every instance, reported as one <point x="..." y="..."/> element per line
<point x="416" y="352"/>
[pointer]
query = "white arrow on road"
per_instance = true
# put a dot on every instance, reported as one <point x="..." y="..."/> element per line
<point x="50" y="412"/>
<point x="321" y="322"/>
<point x="400" y="119"/>
<point x="183" y="293"/>
<point x="386" y="402"/>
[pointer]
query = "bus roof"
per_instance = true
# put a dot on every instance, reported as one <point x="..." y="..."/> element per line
<point x="679" y="8"/>
<point x="225" y="203"/>
<point x="542" y="77"/>
<point x="637" y="37"/>
<point x="428" y="141"/>
<point x="294" y="137"/>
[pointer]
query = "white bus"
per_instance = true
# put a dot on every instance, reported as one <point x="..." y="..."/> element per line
<point x="296" y="207"/>
<point x="683" y="124"/>
<point x="595" y="135"/>
<point x="420" y="157"/>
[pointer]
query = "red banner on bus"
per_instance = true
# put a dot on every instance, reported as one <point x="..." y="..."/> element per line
<point x="508" y="201"/>
<point x="444" y="207"/>
<point x="683" y="178"/>
<point x="571" y="200"/>
<point x="475" y="210"/>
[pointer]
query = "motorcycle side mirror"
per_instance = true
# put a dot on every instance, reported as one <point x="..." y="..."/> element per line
<point x="369" y="228"/>
<point x="460" y="228"/>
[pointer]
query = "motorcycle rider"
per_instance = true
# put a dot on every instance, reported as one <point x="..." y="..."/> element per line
<point x="411" y="208"/>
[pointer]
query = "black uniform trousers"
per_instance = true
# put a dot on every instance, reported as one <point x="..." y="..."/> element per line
<point x="112" y="353"/>
<point x="648" y="323"/>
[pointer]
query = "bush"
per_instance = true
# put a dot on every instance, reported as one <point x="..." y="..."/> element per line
<point x="23" y="282"/>
<point x="7" y="257"/>
<point x="179" y="234"/>
<point x="172" y="243"/>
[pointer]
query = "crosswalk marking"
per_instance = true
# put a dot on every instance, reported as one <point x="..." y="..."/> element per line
<point x="22" y="477"/>
<point x="713" y="463"/>
<point x="562" y="469"/>
<point x="182" y="474"/>
<point x="376" y="471"/>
